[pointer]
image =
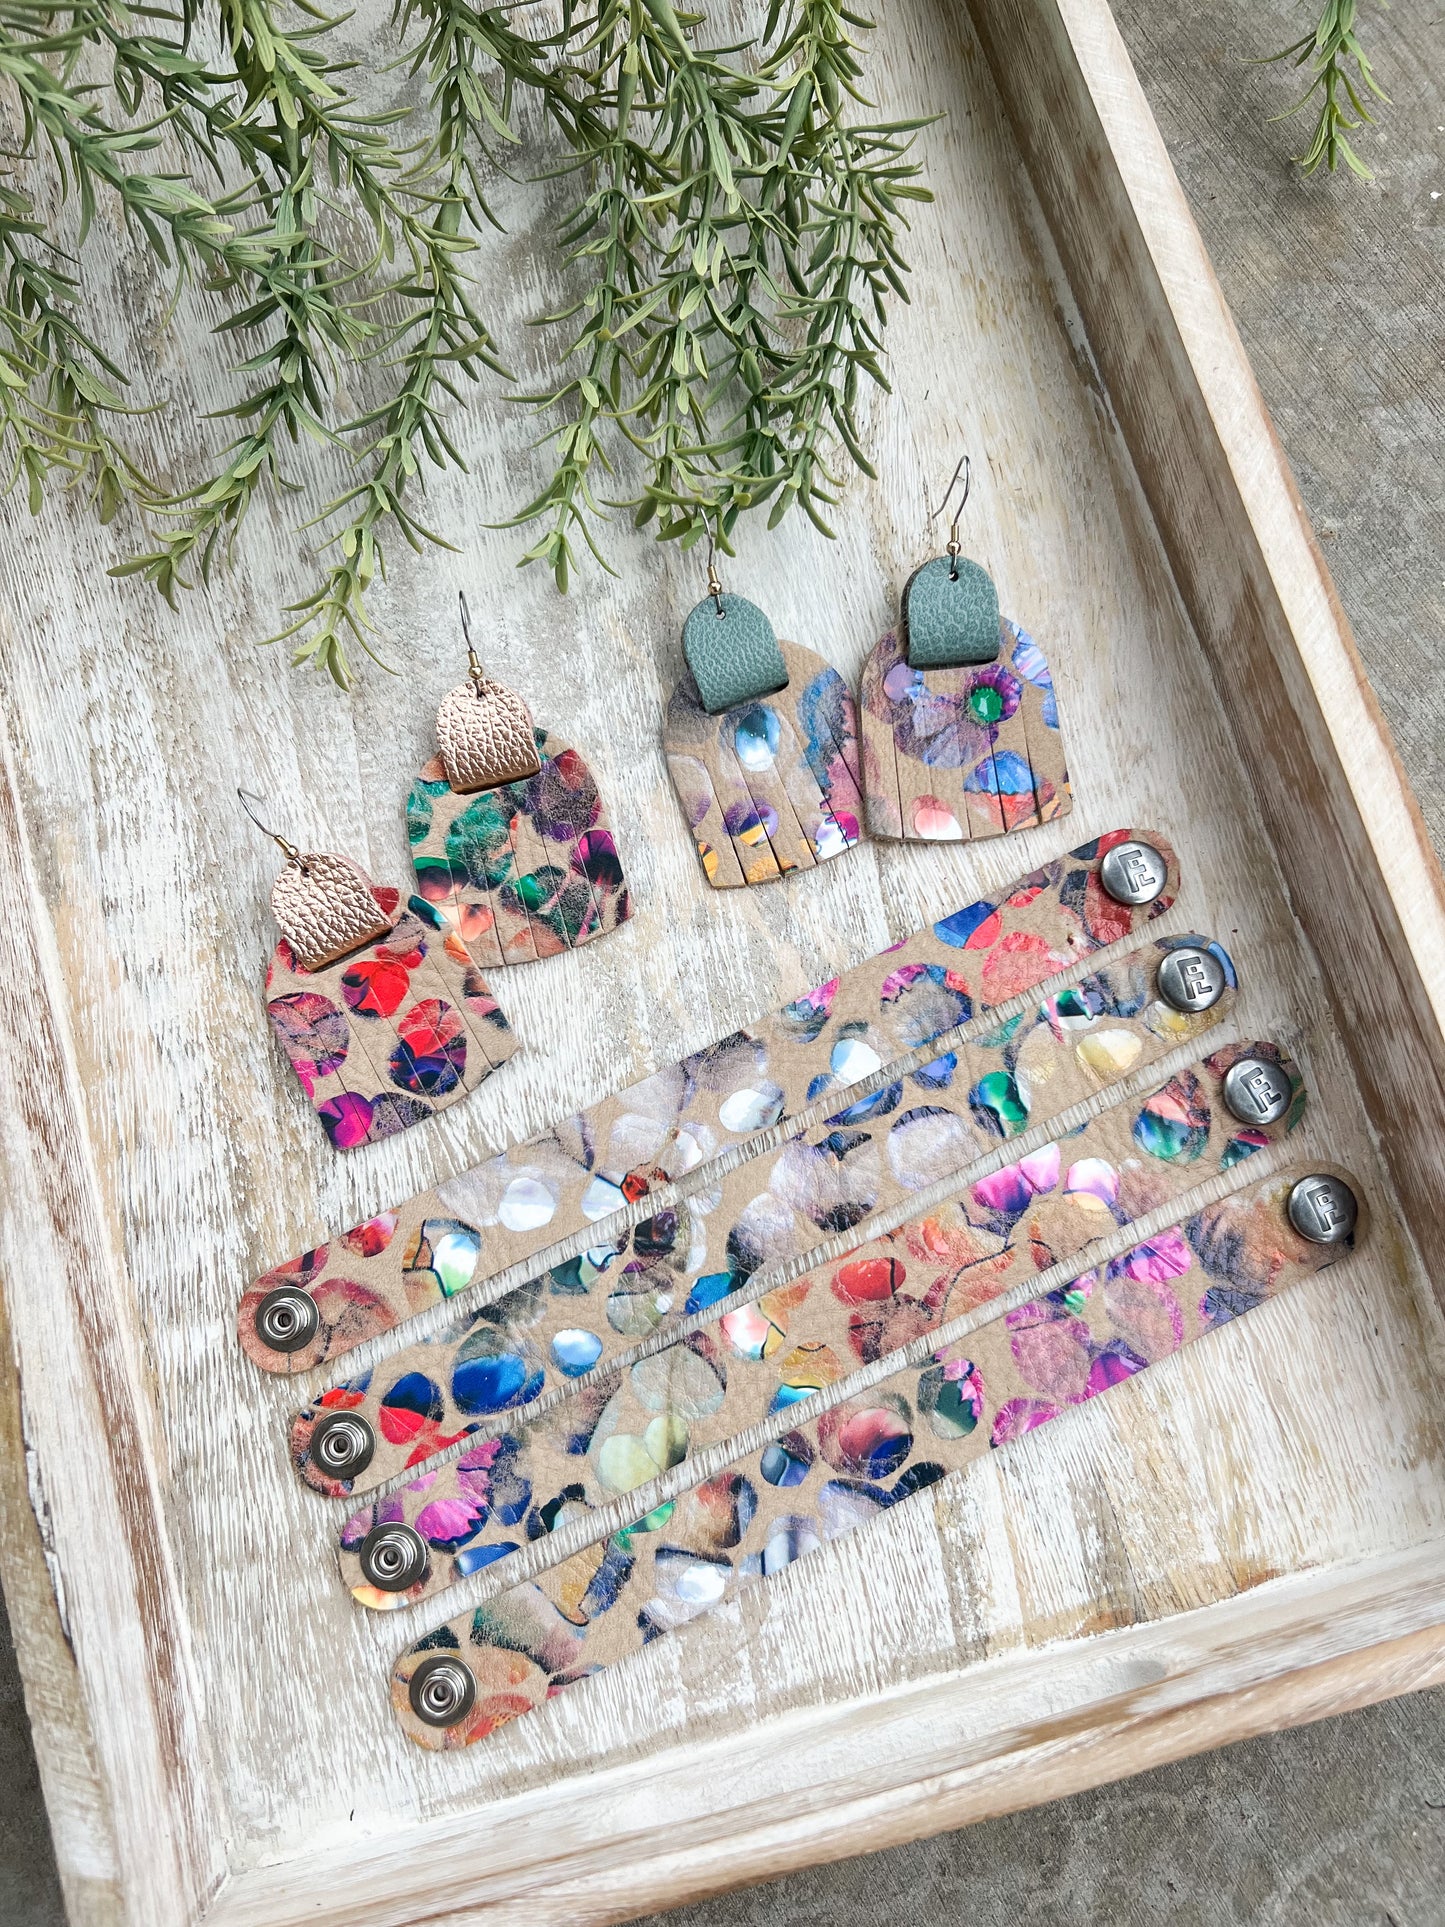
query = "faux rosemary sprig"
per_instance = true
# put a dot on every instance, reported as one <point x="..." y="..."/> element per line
<point x="426" y="347"/>
<point x="406" y="307"/>
<point x="1342" y="108"/>
<point x="59" y="392"/>
<point x="741" y="238"/>
<point x="734" y="232"/>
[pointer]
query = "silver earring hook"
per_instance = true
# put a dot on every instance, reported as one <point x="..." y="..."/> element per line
<point x="714" y="580"/>
<point x="290" y="851"/>
<point x="474" y="666"/>
<point x="965" y="469"/>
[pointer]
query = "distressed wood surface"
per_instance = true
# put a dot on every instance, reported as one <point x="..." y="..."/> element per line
<point x="1347" y="833"/>
<point x="1005" y="1733"/>
<point x="197" y="1665"/>
<point x="1335" y="286"/>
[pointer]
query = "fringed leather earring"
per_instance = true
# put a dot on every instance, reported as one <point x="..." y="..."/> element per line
<point x="379" y="1006"/>
<point x="508" y="835"/>
<point x="960" y="722"/>
<point x="762" y="745"/>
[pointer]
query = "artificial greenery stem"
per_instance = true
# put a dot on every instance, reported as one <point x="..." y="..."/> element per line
<point x="730" y="231"/>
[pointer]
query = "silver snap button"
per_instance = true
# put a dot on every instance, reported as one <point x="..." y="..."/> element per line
<point x="393" y="1557"/>
<point x="1133" y="873"/>
<point x="442" y="1690"/>
<point x="342" y="1444"/>
<point x="1191" y="980"/>
<point x="1256" y="1091"/>
<point x="1323" y="1209"/>
<point x="287" y="1319"/>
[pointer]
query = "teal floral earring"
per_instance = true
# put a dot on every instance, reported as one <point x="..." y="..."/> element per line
<point x="509" y="837"/>
<point x="762" y="746"/>
<point x="960" y="722"/>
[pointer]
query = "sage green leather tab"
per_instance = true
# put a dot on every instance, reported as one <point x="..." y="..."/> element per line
<point x="950" y="615"/>
<point x="734" y="657"/>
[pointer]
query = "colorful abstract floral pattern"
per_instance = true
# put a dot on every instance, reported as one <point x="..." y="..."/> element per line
<point x="954" y="754"/>
<point x="772" y="785"/>
<point x="705" y="1251"/>
<point x="864" y="1455"/>
<point x="596" y="1167"/>
<point x="615" y="1434"/>
<point x="390" y="1034"/>
<point x="524" y="870"/>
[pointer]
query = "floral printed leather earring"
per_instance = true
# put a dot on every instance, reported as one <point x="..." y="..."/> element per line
<point x="509" y="839"/>
<point x="380" y="1008"/>
<point x="762" y="745"/>
<point x="960" y="722"/>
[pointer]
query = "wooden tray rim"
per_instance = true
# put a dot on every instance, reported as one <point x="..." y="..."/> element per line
<point x="1290" y="1651"/>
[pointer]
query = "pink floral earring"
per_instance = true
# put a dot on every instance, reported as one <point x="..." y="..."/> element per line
<point x="379" y="1005"/>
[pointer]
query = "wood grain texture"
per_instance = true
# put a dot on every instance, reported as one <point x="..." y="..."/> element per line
<point x="1050" y="1621"/>
<point x="79" y="1818"/>
<point x="1008" y="1733"/>
<point x="1335" y="288"/>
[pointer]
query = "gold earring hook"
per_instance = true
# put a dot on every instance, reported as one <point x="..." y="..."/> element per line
<point x="474" y="666"/>
<point x="965" y="469"/>
<point x="289" y="850"/>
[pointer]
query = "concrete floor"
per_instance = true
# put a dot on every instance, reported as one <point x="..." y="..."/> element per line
<point x="1337" y="289"/>
<point x="1337" y="1825"/>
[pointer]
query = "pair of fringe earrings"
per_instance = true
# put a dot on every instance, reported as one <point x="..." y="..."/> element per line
<point x="379" y="1000"/>
<point x="960" y="728"/>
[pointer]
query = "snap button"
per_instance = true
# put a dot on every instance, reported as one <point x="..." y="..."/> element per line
<point x="1133" y="873"/>
<point x="393" y="1557"/>
<point x="1191" y="980"/>
<point x="342" y="1444"/>
<point x="442" y="1690"/>
<point x="287" y="1319"/>
<point x="1256" y="1091"/>
<point x="1323" y="1209"/>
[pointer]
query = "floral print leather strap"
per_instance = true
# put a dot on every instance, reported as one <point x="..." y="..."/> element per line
<point x="621" y="1431"/>
<point x="596" y="1166"/>
<point x="704" y="1251"/>
<point x="861" y="1457"/>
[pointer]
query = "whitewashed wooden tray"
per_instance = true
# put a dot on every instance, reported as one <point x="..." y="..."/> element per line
<point x="1249" y="1537"/>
